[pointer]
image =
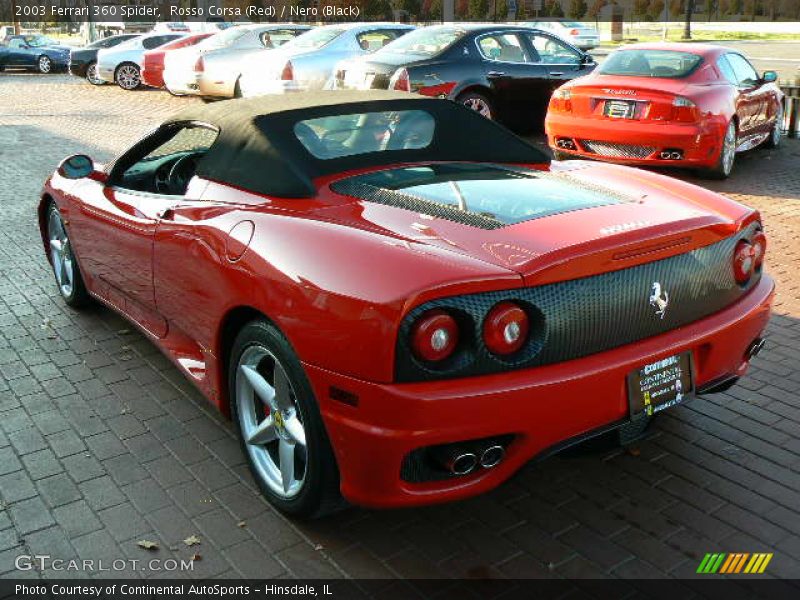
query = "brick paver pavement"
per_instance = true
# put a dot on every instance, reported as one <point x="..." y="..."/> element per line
<point x="103" y="443"/>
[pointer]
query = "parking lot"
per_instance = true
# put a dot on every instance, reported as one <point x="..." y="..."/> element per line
<point x="104" y="444"/>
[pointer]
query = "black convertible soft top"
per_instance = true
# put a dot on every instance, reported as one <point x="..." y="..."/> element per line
<point x="257" y="149"/>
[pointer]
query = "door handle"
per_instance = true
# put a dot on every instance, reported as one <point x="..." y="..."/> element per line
<point x="496" y="74"/>
<point x="167" y="214"/>
<point x="556" y="73"/>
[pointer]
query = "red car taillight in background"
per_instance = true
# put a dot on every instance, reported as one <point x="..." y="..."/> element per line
<point x="287" y="74"/>
<point x="505" y="328"/>
<point x="574" y="31"/>
<point x="561" y="100"/>
<point x="434" y="336"/>
<point x="400" y="81"/>
<point x="200" y="65"/>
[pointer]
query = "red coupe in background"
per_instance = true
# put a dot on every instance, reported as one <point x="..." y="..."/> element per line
<point x="153" y="61"/>
<point x="393" y="313"/>
<point x="683" y="105"/>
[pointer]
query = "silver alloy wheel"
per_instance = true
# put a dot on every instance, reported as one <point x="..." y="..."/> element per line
<point x="479" y="105"/>
<point x="60" y="254"/>
<point x="271" y="422"/>
<point x="91" y="75"/>
<point x="729" y="149"/>
<point x="45" y="64"/>
<point x="128" y="77"/>
<point x="776" y="131"/>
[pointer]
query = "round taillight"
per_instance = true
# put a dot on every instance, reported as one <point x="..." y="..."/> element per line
<point x="200" y="65"/>
<point x="505" y="328"/>
<point x="744" y="259"/>
<point x="434" y="336"/>
<point x="760" y="248"/>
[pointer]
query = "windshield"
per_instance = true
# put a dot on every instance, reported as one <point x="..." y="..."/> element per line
<point x="427" y="41"/>
<point x="315" y="39"/>
<point x="650" y="63"/>
<point x="223" y="38"/>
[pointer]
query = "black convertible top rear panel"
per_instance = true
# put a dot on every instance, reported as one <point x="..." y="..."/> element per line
<point x="257" y="148"/>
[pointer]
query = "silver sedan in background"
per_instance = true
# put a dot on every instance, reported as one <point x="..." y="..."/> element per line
<point x="122" y="64"/>
<point x="307" y="62"/>
<point x="212" y="68"/>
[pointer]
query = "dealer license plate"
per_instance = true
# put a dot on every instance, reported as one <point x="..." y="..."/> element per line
<point x="619" y="109"/>
<point x="660" y="385"/>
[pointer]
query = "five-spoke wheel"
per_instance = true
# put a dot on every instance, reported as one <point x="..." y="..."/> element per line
<point x="280" y="427"/>
<point x="270" y="421"/>
<point x="65" y="267"/>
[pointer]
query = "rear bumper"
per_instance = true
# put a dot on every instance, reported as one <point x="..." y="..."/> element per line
<point x="216" y="85"/>
<point x="181" y="82"/>
<point x="252" y="86"/>
<point x="153" y="77"/>
<point x="78" y="68"/>
<point x="543" y="408"/>
<point x="700" y="145"/>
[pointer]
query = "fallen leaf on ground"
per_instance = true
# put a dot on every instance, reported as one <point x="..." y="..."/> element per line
<point x="634" y="451"/>
<point x="241" y="524"/>
<point x="318" y="547"/>
<point x="147" y="545"/>
<point x="196" y="557"/>
<point x="192" y="540"/>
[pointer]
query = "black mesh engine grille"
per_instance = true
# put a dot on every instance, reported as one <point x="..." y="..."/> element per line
<point x="576" y="318"/>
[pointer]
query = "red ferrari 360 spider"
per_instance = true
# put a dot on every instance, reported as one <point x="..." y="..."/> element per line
<point x="679" y="105"/>
<point x="395" y="313"/>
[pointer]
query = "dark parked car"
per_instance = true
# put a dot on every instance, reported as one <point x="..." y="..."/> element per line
<point x="83" y="61"/>
<point x="504" y="72"/>
<point x="34" y="51"/>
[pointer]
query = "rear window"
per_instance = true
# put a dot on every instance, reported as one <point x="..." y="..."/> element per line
<point x="651" y="63"/>
<point x="316" y="38"/>
<point x="363" y="133"/>
<point x="427" y="41"/>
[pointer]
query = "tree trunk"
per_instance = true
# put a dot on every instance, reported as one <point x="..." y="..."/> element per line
<point x="687" y="23"/>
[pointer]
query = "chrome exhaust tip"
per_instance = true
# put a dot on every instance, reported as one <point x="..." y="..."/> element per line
<point x="675" y="156"/>
<point x="462" y="464"/>
<point x="664" y="156"/>
<point x="756" y="347"/>
<point x="492" y="456"/>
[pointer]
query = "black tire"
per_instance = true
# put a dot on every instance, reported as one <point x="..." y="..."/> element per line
<point x="775" y="134"/>
<point x="476" y="100"/>
<point x="319" y="494"/>
<point x="721" y="169"/>
<point x="44" y="64"/>
<point x="128" y="76"/>
<point x="77" y="296"/>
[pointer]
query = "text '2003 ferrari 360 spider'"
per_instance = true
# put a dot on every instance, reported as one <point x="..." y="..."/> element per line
<point x="395" y="313"/>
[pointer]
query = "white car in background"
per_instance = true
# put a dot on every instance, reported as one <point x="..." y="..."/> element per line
<point x="122" y="64"/>
<point x="307" y="62"/>
<point x="580" y="35"/>
<point x="212" y="68"/>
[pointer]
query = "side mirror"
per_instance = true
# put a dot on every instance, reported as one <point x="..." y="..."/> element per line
<point x="76" y="166"/>
<point x="588" y="59"/>
<point x="769" y="77"/>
